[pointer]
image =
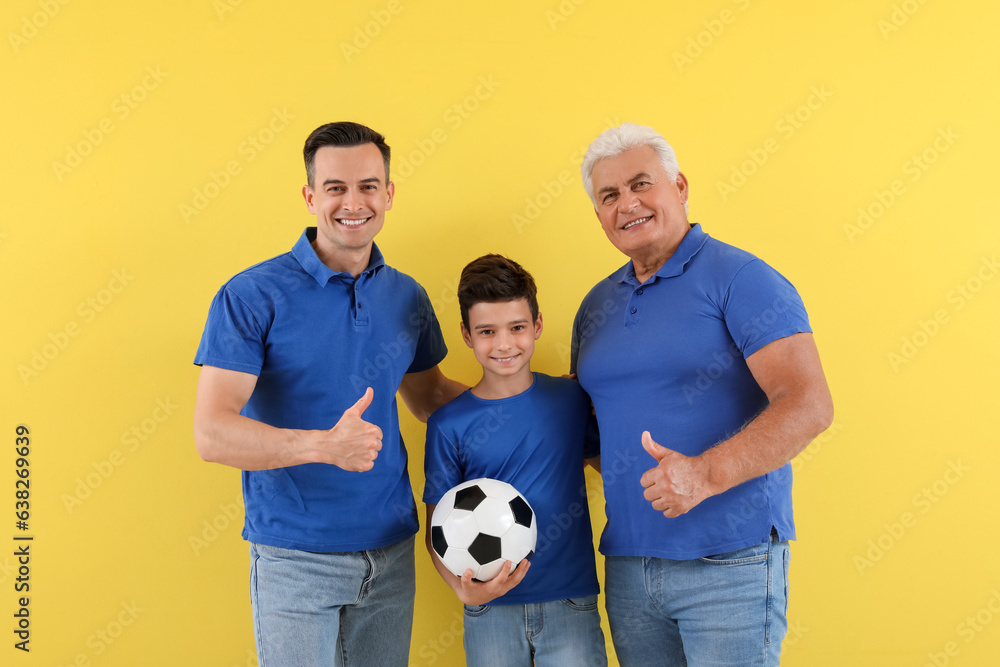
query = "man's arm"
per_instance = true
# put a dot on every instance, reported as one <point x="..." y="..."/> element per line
<point x="223" y="435"/>
<point x="426" y="391"/>
<point x="790" y="373"/>
<point x="475" y="592"/>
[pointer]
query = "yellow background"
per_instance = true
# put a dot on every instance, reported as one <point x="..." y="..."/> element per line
<point x="107" y="277"/>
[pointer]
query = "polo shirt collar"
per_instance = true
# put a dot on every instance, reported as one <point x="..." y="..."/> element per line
<point x="306" y="256"/>
<point x="689" y="247"/>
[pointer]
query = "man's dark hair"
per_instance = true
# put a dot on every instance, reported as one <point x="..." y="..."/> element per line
<point x="345" y="134"/>
<point x="495" y="279"/>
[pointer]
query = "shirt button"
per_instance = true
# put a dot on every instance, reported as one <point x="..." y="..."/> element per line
<point x="639" y="292"/>
<point x="634" y="311"/>
<point x="359" y="304"/>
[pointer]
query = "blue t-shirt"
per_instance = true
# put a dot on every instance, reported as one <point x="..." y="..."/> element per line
<point x="534" y="441"/>
<point x="316" y="340"/>
<point x="669" y="357"/>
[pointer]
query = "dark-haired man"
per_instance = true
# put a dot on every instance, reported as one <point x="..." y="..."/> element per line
<point x="301" y="360"/>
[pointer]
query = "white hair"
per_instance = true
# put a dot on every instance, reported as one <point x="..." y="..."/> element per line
<point x="617" y="140"/>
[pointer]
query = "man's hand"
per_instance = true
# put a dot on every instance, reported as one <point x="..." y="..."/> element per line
<point x="475" y="593"/>
<point x="353" y="443"/>
<point x="677" y="482"/>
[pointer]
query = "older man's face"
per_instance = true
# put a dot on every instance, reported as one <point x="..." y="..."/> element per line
<point x="640" y="207"/>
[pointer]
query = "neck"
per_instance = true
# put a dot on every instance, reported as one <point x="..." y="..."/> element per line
<point x="649" y="260"/>
<point x="341" y="260"/>
<point x="493" y="387"/>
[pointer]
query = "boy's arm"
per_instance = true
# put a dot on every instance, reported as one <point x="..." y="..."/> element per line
<point x="472" y="592"/>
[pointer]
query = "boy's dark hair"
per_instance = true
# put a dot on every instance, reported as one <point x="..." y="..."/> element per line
<point x="345" y="134"/>
<point x="494" y="279"/>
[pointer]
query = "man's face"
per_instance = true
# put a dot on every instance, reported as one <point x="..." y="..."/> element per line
<point x="640" y="207"/>
<point x="349" y="197"/>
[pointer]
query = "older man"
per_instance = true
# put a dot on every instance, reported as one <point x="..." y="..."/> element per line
<point x="706" y="381"/>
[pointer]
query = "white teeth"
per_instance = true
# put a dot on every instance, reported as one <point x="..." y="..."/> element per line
<point x="504" y="360"/>
<point x="352" y="223"/>
<point x="636" y="222"/>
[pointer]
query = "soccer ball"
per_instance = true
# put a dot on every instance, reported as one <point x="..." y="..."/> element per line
<point x="481" y="523"/>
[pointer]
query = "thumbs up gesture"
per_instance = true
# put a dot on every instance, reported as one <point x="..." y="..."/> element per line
<point x="353" y="443"/>
<point x="676" y="483"/>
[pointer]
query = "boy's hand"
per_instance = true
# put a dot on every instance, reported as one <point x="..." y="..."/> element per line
<point x="475" y="593"/>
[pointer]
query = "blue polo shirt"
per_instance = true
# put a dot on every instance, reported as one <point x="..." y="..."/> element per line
<point x="669" y="356"/>
<point x="316" y="339"/>
<point x="535" y="441"/>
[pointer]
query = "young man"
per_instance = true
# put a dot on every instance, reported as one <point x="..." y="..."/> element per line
<point x="529" y="430"/>
<point x="287" y="394"/>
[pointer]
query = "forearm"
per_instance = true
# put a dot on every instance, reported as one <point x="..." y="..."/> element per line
<point x="425" y="392"/>
<point x="247" y="444"/>
<point x="768" y="442"/>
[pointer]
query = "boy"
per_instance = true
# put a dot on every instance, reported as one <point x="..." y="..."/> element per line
<point x="529" y="430"/>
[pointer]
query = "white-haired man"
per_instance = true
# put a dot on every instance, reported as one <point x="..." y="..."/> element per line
<point x="702" y="355"/>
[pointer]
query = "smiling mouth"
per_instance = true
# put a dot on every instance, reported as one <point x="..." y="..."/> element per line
<point x="353" y="222"/>
<point x="636" y="222"/>
<point x="504" y="360"/>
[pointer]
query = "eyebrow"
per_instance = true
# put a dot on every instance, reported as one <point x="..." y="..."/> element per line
<point x="493" y="326"/>
<point x="337" y="181"/>
<point x="611" y="188"/>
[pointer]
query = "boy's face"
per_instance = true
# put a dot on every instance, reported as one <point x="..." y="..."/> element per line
<point x="502" y="336"/>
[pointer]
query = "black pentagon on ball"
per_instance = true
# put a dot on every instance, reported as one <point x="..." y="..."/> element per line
<point x="485" y="548"/>
<point x="522" y="511"/>
<point x="438" y="541"/>
<point x="469" y="498"/>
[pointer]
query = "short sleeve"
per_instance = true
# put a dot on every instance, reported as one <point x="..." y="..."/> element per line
<point x="233" y="337"/>
<point x="431" y="349"/>
<point x="442" y="465"/>
<point x="762" y="306"/>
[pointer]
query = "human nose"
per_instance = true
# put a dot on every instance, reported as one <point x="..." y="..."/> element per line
<point x="628" y="201"/>
<point x="502" y="340"/>
<point x="351" y="200"/>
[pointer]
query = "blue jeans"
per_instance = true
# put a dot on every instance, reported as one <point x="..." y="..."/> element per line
<point x="343" y="609"/>
<point x="724" y="610"/>
<point x="556" y="634"/>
